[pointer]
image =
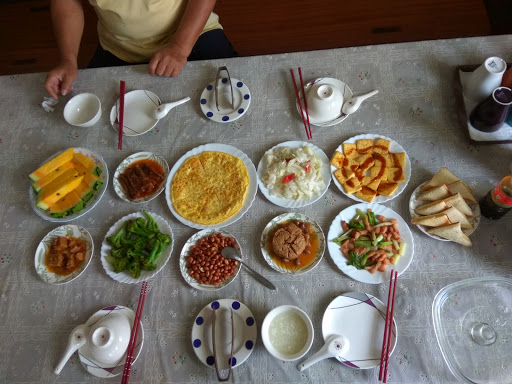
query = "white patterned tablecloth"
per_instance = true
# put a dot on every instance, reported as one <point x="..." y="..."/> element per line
<point x="415" y="107"/>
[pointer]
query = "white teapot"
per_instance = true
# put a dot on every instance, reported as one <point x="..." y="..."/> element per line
<point x="103" y="339"/>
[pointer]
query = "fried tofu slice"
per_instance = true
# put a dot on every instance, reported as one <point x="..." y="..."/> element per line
<point x="396" y="175"/>
<point x="349" y="150"/>
<point x="365" y="162"/>
<point x="397" y="159"/>
<point x="359" y="175"/>
<point x="364" y="145"/>
<point x="387" y="189"/>
<point x="352" y="186"/>
<point x="381" y="146"/>
<point x="342" y="175"/>
<point x="382" y="160"/>
<point x="371" y="183"/>
<point x="337" y="159"/>
<point x="380" y="173"/>
<point x="366" y="194"/>
<point x="351" y="164"/>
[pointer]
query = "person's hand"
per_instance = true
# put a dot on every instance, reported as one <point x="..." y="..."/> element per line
<point x="168" y="61"/>
<point x="59" y="80"/>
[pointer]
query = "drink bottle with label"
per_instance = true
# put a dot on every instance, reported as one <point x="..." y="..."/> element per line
<point x="498" y="201"/>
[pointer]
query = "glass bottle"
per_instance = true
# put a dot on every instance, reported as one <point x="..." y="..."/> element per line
<point x="498" y="200"/>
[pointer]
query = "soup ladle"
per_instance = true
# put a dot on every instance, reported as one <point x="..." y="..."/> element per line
<point x="232" y="253"/>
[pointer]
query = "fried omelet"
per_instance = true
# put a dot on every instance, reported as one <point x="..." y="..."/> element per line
<point x="210" y="187"/>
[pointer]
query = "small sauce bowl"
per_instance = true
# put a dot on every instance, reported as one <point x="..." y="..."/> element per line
<point x="83" y="110"/>
<point x="287" y="332"/>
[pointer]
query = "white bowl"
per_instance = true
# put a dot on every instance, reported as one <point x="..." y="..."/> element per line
<point x="83" y="110"/>
<point x="108" y="338"/>
<point x="286" y="350"/>
<point x="324" y="101"/>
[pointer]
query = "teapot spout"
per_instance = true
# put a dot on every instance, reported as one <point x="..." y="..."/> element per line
<point x="77" y="338"/>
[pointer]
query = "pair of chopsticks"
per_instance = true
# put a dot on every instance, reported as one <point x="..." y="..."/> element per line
<point x="133" y="336"/>
<point x="388" y="329"/>
<point x="121" y="114"/>
<point x="307" y="125"/>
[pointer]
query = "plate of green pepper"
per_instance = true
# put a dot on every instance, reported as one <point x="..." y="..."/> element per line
<point x="136" y="247"/>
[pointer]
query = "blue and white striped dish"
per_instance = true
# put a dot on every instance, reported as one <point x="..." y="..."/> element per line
<point x="227" y="113"/>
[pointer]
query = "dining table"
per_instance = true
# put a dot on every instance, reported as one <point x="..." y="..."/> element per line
<point x="416" y="107"/>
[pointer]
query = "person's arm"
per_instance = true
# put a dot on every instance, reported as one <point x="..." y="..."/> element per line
<point x="171" y="60"/>
<point x="68" y="26"/>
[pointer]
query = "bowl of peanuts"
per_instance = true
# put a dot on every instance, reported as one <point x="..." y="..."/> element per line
<point x="201" y="263"/>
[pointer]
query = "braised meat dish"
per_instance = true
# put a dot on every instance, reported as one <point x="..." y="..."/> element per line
<point x="141" y="179"/>
<point x="291" y="240"/>
<point x="65" y="255"/>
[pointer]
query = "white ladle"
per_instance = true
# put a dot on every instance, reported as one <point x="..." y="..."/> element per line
<point x="335" y="345"/>
<point x="354" y="103"/>
<point x="163" y="109"/>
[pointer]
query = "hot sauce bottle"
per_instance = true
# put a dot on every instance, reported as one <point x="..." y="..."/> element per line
<point x="498" y="200"/>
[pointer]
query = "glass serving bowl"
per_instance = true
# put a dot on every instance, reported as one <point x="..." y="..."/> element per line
<point x="473" y="326"/>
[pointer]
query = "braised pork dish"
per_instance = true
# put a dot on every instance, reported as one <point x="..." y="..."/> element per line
<point x="65" y="255"/>
<point x="141" y="179"/>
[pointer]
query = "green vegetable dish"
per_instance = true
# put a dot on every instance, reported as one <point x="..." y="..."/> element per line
<point x="137" y="246"/>
<point x="370" y="241"/>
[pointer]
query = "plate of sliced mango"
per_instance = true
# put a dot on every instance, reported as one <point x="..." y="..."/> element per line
<point x="68" y="184"/>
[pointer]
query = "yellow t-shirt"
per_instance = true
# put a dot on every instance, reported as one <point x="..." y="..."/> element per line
<point x="134" y="30"/>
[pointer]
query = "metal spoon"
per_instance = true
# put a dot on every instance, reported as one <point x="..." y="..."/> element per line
<point x="335" y="345"/>
<point x="163" y="109"/>
<point x="232" y="253"/>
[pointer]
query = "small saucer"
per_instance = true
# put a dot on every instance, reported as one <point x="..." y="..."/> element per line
<point x="96" y="368"/>
<point x="226" y="114"/>
<point x="139" y="106"/>
<point x="347" y="95"/>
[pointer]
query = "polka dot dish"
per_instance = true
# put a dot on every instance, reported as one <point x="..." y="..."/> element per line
<point x="245" y="330"/>
<point x="226" y="113"/>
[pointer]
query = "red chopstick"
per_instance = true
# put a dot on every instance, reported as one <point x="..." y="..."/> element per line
<point x="300" y="104"/>
<point x="388" y="329"/>
<point x="133" y="336"/>
<point x="310" y="135"/>
<point x="121" y="114"/>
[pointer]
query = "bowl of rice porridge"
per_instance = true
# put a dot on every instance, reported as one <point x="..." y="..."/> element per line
<point x="287" y="332"/>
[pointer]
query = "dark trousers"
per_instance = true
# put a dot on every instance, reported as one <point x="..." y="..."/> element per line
<point x="210" y="45"/>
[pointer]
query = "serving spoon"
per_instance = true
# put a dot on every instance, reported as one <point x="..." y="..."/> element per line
<point x="334" y="346"/>
<point x="232" y="253"/>
<point x="163" y="109"/>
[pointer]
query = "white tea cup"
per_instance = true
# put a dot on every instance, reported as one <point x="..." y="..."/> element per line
<point x="324" y="102"/>
<point x="485" y="79"/>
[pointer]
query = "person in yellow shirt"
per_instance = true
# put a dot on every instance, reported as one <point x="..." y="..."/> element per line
<point x="164" y="33"/>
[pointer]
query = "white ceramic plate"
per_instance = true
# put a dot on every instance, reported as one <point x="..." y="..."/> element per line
<point x="361" y="319"/>
<point x="347" y="95"/>
<point x="226" y="113"/>
<point x="45" y="244"/>
<point x="251" y="191"/>
<point x="393" y="148"/>
<point x="98" y="369"/>
<point x="245" y="330"/>
<point x="363" y="275"/>
<point x="98" y="160"/>
<point x="287" y="217"/>
<point x="132" y="159"/>
<point x="186" y="250"/>
<point x="125" y="277"/>
<point x="415" y="203"/>
<point x="290" y="203"/>
<point x="138" y="117"/>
